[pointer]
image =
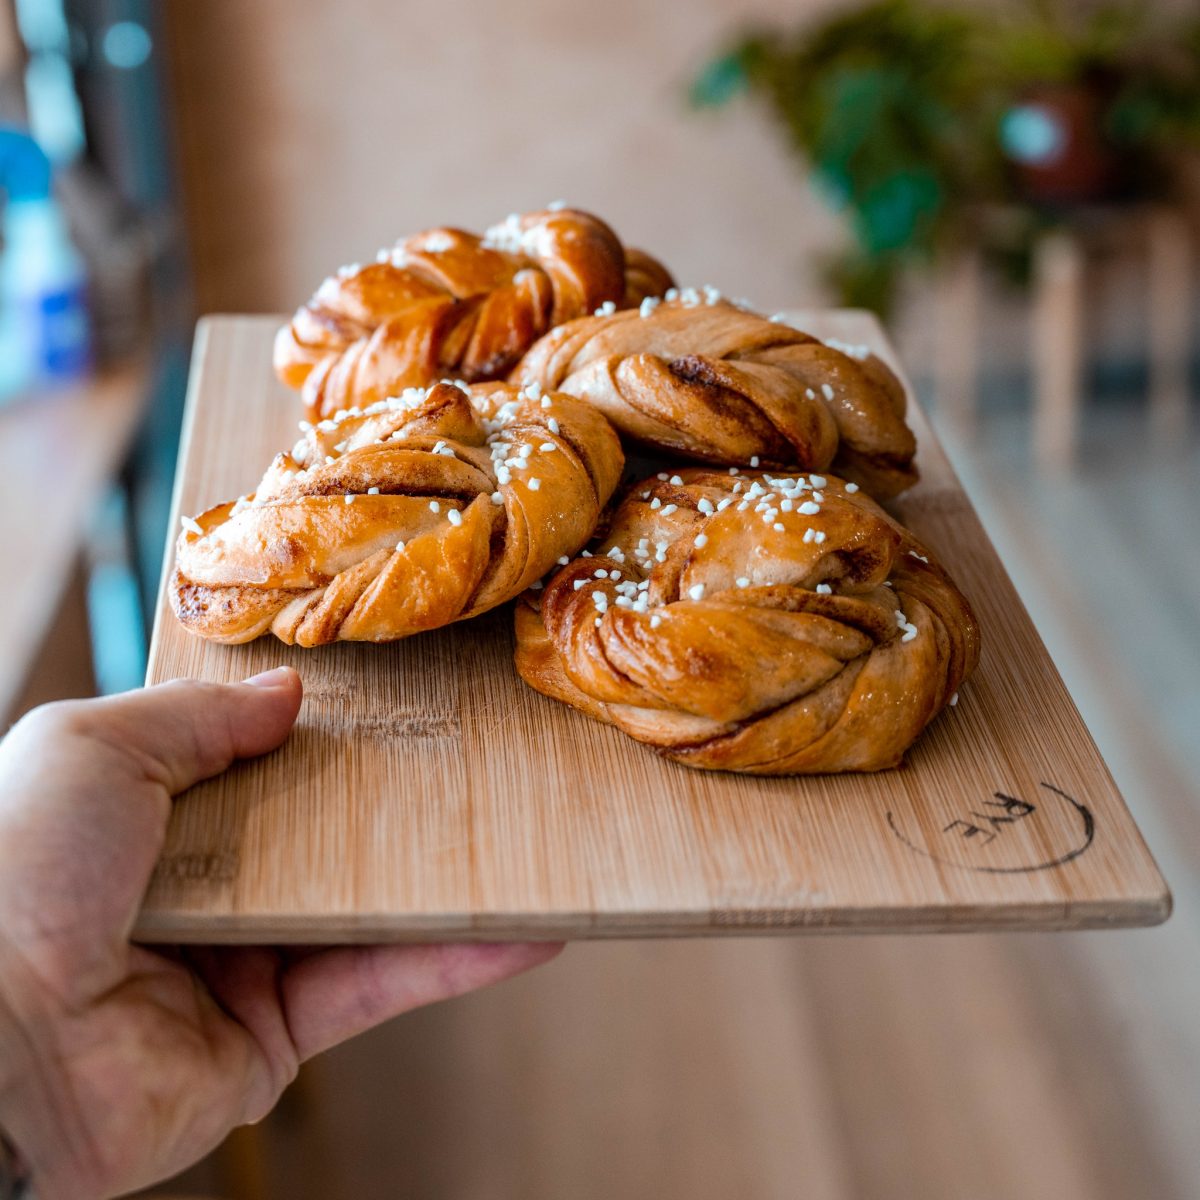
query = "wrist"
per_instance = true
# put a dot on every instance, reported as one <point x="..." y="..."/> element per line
<point x="15" y="1171"/>
<point x="32" y="1103"/>
<point x="21" y="1095"/>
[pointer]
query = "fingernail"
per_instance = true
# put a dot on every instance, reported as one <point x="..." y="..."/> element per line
<point x="269" y="679"/>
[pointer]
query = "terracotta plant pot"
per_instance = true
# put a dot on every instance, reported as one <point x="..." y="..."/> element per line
<point x="1055" y="140"/>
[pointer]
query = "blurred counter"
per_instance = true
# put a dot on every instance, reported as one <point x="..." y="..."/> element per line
<point x="59" y="454"/>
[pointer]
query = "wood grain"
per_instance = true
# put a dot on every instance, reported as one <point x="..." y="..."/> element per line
<point x="427" y="792"/>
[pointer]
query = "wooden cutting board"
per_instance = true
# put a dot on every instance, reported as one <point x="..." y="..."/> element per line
<point x="427" y="793"/>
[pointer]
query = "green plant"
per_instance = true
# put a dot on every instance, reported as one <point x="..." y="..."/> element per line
<point x="1053" y="43"/>
<point x="898" y="106"/>
<point x="1149" y="71"/>
<point x="882" y="101"/>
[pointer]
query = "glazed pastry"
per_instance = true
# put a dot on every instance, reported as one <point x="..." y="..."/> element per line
<point x="450" y="303"/>
<point x="753" y="622"/>
<point x="707" y="380"/>
<point x="404" y="516"/>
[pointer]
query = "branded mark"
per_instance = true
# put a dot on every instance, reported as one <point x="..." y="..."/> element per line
<point x="214" y="867"/>
<point x="980" y="839"/>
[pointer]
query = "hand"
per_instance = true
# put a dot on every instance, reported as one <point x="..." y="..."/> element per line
<point x="121" y="1064"/>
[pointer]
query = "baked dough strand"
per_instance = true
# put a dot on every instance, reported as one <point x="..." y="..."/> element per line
<point x="708" y="380"/>
<point x="450" y="303"/>
<point x="766" y="623"/>
<point x="417" y="511"/>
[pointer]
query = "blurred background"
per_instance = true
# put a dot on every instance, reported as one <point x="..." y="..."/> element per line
<point x="1014" y="186"/>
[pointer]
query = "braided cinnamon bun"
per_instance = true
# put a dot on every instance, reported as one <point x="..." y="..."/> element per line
<point x="406" y="515"/>
<point x="707" y="380"/>
<point x="753" y="622"/>
<point x="446" y="302"/>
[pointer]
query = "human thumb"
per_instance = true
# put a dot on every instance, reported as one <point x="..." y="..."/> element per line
<point x="186" y="730"/>
<point x="85" y="789"/>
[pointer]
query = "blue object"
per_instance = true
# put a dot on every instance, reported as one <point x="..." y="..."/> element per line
<point x="1032" y="135"/>
<point x="24" y="169"/>
<point x="127" y="45"/>
<point x="44" y="326"/>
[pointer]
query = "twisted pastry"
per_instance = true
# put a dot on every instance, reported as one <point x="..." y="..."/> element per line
<point x="748" y="622"/>
<point x="446" y="302"/>
<point x="705" y="379"/>
<point x="417" y="511"/>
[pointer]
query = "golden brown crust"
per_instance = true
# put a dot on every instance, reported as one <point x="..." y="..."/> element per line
<point x="415" y="512"/>
<point x="450" y="303"/>
<point x="753" y="622"/>
<point x="645" y="277"/>
<point x="710" y="381"/>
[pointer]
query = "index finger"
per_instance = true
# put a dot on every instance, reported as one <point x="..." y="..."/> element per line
<point x="334" y="994"/>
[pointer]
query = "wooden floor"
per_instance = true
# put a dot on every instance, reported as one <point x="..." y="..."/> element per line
<point x="1002" y="1067"/>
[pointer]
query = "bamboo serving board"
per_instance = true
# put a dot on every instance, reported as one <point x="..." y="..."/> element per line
<point x="427" y="793"/>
